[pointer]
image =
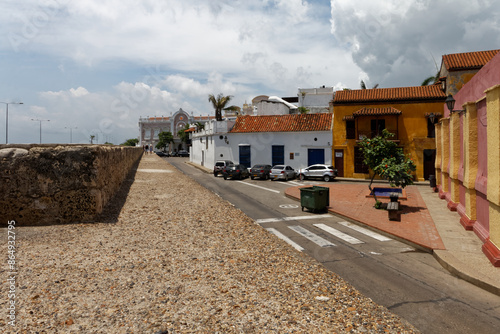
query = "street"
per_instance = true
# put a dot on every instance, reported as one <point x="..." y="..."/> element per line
<point x="408" y="282"/>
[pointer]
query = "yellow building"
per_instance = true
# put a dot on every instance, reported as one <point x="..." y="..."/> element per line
<point x="408" y="112"/>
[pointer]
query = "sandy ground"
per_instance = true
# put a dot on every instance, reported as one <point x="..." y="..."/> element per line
<point x="169" y="256"/>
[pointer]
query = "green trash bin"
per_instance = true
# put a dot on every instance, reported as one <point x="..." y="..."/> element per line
<point x="315" y="198"/>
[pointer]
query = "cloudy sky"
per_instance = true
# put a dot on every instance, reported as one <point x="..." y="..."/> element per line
<point x="98" y="65"/>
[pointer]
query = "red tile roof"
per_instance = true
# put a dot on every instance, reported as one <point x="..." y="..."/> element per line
<point x="468" y="60"/>
<point x="400" y="94"/>
<point x="283" y="123"/>
<point x="376" y="112"/>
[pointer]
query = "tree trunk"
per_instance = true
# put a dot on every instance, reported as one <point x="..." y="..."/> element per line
<point x="370" y="187"/>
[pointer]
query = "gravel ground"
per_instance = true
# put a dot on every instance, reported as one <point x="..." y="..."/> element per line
<point x="175" y="258"/>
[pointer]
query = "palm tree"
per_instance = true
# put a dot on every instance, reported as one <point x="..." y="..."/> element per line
<point x="219" y="103"/>
<point x="431" y="80"/>
<point x="363" y="85"/>
<point x="199" y="126"/>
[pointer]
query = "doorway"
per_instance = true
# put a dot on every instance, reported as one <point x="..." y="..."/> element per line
<point x="339" y="162"/>
<point x="429" y="163"/>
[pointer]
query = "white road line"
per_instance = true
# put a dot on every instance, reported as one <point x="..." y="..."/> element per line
<point x="256" y="186"/>
<point x="311" y="236"/>
<point x="296" y="183"/>
<point x="273" y="220"/>
<point x="285" y="238"/>
<point x="366" y="232"/>
<point x="339" y="234"/>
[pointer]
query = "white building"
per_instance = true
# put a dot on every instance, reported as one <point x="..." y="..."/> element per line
<point x="298" y="140"/>
<point x="317" y="100"/>
<point x="150" y="127"/>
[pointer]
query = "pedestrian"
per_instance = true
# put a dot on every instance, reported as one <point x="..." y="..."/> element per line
<point x="151" y="149"/>
<point x="146" y="150"/>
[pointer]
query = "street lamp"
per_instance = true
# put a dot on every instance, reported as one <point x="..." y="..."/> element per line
<point x="70" y="133"/>
<point x="7" y="119"/>
<point x="40" y="120"/>
<point x="450" y="104"/>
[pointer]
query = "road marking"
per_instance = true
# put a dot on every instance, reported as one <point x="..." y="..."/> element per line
<point x="339" y="234"/>
<point x="288" y="206"/>
<point x="365" y="231"/>
<point x="285" y="238"/>
<point x="311" y="236"/>
<point x="296" y="183"/>
<point x="274" y="220"/>
<point x="256" y="186"/>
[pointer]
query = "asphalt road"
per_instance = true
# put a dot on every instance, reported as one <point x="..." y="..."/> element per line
<point x="408" y="282"/>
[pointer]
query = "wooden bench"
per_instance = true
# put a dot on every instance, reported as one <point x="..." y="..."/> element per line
<point x="393" y="209"/>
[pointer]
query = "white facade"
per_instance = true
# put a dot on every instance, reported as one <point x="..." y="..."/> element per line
<point x="297" y="147"/>
<point x="317" y="100"/>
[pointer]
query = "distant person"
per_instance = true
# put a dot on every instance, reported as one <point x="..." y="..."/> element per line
<point x="146" y="149"/>
<point x="151" y="149"/>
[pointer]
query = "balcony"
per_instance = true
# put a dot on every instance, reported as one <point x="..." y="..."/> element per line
<point x="373" y="134"/>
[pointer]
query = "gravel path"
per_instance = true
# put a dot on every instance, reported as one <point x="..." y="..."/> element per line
<point x="176" y="259"/>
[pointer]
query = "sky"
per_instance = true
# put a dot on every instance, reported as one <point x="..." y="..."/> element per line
<point x="94" y="67"/>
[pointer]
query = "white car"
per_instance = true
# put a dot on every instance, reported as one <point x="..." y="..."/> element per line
<point x="282" y="172"/>
<point x="325" y="172"/>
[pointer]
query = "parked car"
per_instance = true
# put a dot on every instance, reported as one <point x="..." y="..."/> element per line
<point x="260" y="171"/>
<point x="162" y="154"/>
<point x="235" y="171"/>
<point x="183" y="153"/>
<point x="219" y="166"/>
<point x="325" y="172"/>
<point x="282" y="172"/>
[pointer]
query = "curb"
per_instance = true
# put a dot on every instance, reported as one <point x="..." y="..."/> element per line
<point x="458" y="269"/>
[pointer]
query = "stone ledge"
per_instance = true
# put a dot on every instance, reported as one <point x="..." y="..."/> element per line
<point x="55" y="184"/>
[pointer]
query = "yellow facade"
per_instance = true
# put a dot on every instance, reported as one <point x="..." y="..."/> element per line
<point x="410" y="126"/>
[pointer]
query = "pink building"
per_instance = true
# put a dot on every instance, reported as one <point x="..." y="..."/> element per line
<point x="468" y="157"/>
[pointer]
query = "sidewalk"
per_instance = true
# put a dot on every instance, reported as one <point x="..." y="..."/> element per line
<point x="425" y="223"/>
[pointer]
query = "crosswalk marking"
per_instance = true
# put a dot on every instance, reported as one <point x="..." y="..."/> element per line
<point x="273" y="220"/>
<point x="285" y="238"/>
<point x="256" y="186"/>
<point x="339" y="234"/>
<point x="365" y="231"/>
<point x="311" y="236"/>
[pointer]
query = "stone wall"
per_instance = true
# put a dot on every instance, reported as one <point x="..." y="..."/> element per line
<point x="55" y="184"/>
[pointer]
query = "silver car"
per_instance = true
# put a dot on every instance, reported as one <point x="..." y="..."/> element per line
<point x="282" y="172"/>
<point x="325" y="172"/>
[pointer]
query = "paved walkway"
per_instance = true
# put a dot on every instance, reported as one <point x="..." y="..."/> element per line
<point x="425" y="223"/>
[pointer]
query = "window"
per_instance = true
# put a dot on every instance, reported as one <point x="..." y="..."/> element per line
<point x="359" y="166"/>
<point x="377" y="125"/>
<point x="350" y="130"/>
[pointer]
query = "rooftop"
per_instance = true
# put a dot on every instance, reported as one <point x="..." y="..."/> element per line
<point x="406" y="94"/>
<point x="283" y="123"/>
<point x="468" y="60"/>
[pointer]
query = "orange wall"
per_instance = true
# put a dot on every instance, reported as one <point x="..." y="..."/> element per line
<point x="411" y="126"/>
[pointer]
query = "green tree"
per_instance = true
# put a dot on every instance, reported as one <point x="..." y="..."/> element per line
<point x="303" y="110"/>
<point x="200" y="125"/>
<point x="387" y="160"/>
<point x="183" y="135"/>
<point x="130" y="142"/>
<point x="165" y="138"/>
<point x="431" y="80"/>
<point x="219" y="103"/>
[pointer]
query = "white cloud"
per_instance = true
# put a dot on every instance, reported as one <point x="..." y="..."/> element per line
<point x="394" y="41"/>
